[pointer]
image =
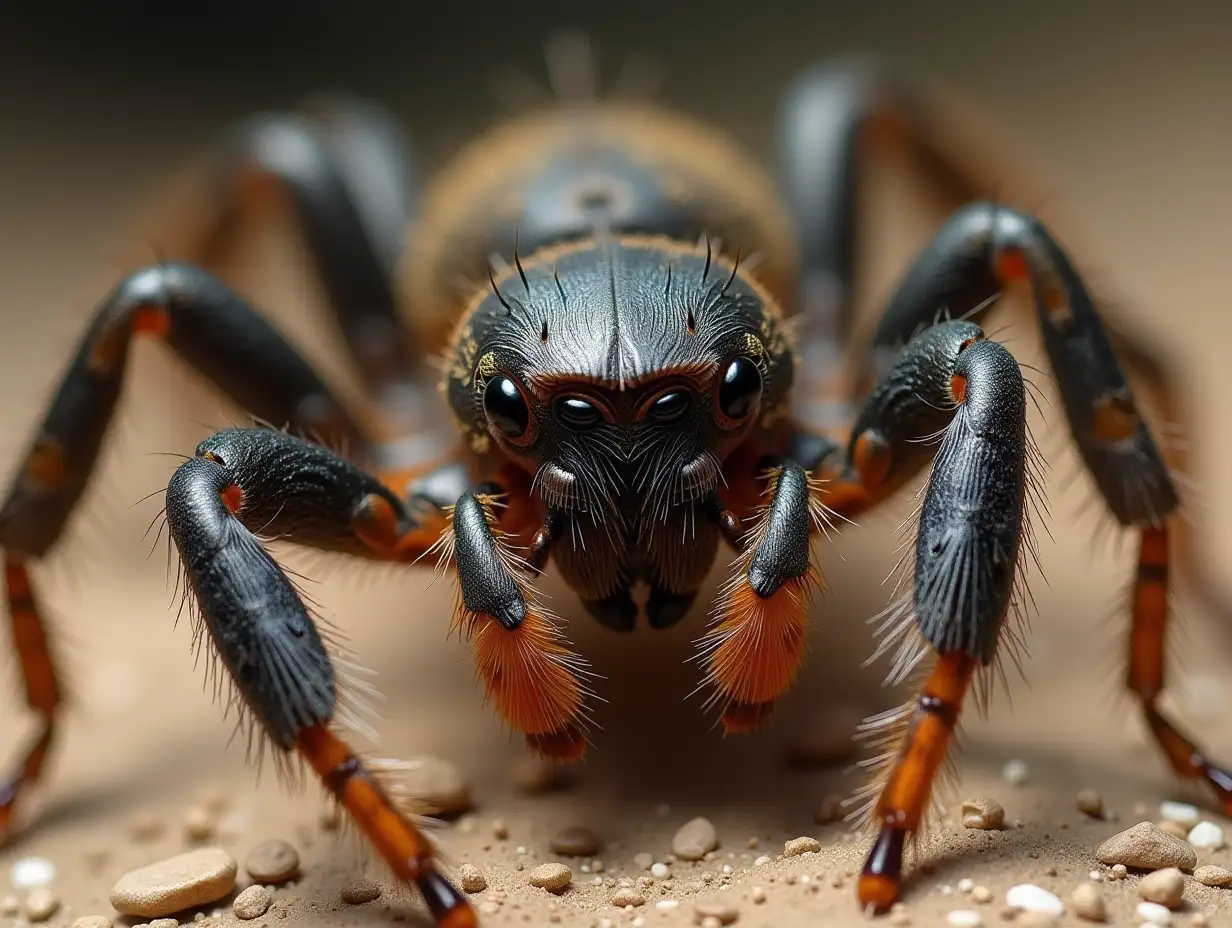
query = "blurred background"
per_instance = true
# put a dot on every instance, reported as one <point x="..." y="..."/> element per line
<point x="1120" y="109"/>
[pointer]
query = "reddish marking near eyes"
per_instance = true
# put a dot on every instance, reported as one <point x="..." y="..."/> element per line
<point x="232" y="498"/>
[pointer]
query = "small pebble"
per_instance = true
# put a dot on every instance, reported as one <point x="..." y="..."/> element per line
<point x="1199" y="920"/>
<point x="92" y="921"/>
<point x="575" y="841"/>
<point x="1147" y="847"/>
<point x="500" y="831"/>
<point x="252" y="902"/>
<point x="802" y="845"/>
<point x="1119" y="871"/>
<point x="170" y="922"/>
<point x="1015" y="772"/>
<point x="1154" y="913"/>
<point x="32" y="872"/>
<point x="272" y="862"/>
<point x="761" y="861"/>
<point x="198" y="824"/>
<point x="472" y="879"/>
<point x="966" y="884"/>
<point x="643" y="861"/>
<point x="1176" y="829"/>
<point x="722" y="912"/>
<point x="359" y="892"/>
<point x="665" y="904"/>
<point x="41" y="904"/>
<point x="660" y="871"/>
<point x="1089" y="802"/>
<point x="1183" y="813"/>
<point x="758" y="895"/>
<point x="625" y="897"/>
<point x="182" y="882"/>
<point x="695" y="839"/>
<point x="1088" y="903"/>
<point x="436" y="786"/>
<point x="1031" y="898"/>
<point x="1211" y="875"/>
<point x="710" y="922"/>
<point x="552" y="877"/>
<point x="965" y="918"/>
<point x="1206" y="836"/>
<point x="985" y="814"/>
<point x="1163" y="886"/>
<point x="982" y="895"/>
<point x="146" y="826"/>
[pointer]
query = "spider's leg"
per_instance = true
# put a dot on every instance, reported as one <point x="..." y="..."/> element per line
<point x="345" y="171"/>
<point x="985" y="248"/>
<point x="216" y="333"/>
<point x="953" y="383"/>
<point x="245" y="481"/>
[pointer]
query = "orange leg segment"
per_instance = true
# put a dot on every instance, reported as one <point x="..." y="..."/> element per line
<point x="906" y="794"/>
<point x="401" y="845"/>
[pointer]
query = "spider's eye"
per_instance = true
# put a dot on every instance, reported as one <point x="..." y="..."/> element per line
<point x="577" y="413"/>
<point x="670" y="407"/>
<point x="740" y="389"/>
<point x="505" y="406"/>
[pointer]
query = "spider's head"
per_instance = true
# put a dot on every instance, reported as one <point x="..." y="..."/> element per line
<point x="620" y="372"/>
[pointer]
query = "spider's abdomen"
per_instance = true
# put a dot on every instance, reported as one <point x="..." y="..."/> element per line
<point x="557" y="176"/>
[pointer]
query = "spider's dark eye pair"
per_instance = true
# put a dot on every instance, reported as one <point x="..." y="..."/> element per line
<point x="740" y="389"/>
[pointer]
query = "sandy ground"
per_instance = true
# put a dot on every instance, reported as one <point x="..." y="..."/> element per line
<point x="142" y="735"/>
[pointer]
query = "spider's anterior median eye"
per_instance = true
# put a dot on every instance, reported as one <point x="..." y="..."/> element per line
<point x="670" y="407"/>
<point x="505" y="406"/>
<point x="577" y="413"/>
<point x="740" y="389"/>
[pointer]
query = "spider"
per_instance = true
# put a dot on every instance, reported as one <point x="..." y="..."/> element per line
<point x="651" y="357"/>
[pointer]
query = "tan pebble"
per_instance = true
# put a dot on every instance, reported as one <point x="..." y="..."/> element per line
<point x="198" y="824"/>
<point x="1163" y="886"/>
<point x="1119" y="871"/>
<point x="575" y="841"/>
<point x="643" y="861"/>
<point x="1089" y="802"/>
<point x="252" y="902"/>
<point x="1199" y="920"/>
<point x="41" y="904"/>
<point x="723" y="913"/>
<point x="500" y="831"/>
<point x="710" y="922"/>
<point x="182" y="882"/>
<point x="597" y="866"/>
<point x="435" y="786"/>
<point x="164" y="923"/>
<point x="92" y="921"/>
<point x="982" y="895"/>
<point x="1176" y="829"/>
<point x="758" y="895"/>
<point x="489" y="907"/>
<point x="146" y="826"/>
<point x="472" y="879"/>
<point x="272" y="862"/>
<point x="1212" y="875"/>
<point x="830" y="811"/>
<point x="695" y="839"/>
<point x="983" y="813"/>
<point x="1147" y="847"/>
<point x="215" y="798"/>
<point x="803" y="845"/>
<point x="10" y="905"/>
<point x="1088" y="903"/>
<point x="900" y="919"/>
<point x="330" y="818"/>
<point x="624" y="897"/>
<point x="359" y="892"/>
<point x="552" y="877"/>
<point x="534" y="775"/>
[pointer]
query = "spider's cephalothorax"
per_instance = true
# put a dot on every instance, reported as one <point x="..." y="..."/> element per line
<point x="629" y="395"/>
<point x="620" y="373"/>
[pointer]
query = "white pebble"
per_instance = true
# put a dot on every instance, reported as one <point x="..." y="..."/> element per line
<point x="1206" y="836"/>
<point x="1182" y="813"/>
<point x="666" y="904"/>
<point x="1153" y="913"/>
<point x="660" y="871"/>
<point x="1015" y="772"/>
<point x="32" y="872"/>
<point x="1095" y="876"/>
<point x="965" y="918"/>
<point x="763" y="859"/>
<point x="966" y="884"/>
<point x="1033" y="898"/>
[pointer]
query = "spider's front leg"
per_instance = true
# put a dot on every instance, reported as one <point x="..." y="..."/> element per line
<point x="953" y="383"/>
<point x="244" y="481"/>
